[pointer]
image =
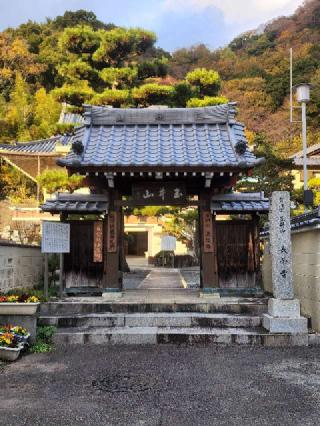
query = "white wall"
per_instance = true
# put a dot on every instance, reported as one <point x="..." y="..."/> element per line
<point x="20" y="266"/>
<point x="306" y="272"/>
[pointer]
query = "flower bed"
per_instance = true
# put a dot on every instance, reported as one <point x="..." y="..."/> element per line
<point x="24" y="298"/>
<point x="18" y="305"/>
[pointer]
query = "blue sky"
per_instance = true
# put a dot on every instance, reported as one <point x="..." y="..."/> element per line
<point x="178" y="23"/>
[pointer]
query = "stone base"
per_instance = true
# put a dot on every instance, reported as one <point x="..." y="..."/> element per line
<point x="284" y="308"/>
<point x="285" y="324"/>
<point x="209" y="294"/>
<point x="233" y="292"/>
<point x="111" y="295"/>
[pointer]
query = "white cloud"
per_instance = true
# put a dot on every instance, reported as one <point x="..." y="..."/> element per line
<point x="239" y="11"/>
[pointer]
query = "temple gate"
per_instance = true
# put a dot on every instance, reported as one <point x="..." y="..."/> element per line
<point x="179" y="157"/>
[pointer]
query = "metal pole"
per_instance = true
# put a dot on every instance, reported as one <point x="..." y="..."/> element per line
<point x="291" y="94"/>
<point x="61" y="276"/>
<point x="46" y="275"/>
<point x="304" y="143"/>
<point x="291" y="84"/>
<point x="38" y="185"/>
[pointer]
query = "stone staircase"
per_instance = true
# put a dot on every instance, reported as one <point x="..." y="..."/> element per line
<point x="225" y="321"/>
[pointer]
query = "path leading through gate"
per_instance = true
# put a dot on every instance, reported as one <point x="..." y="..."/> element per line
<point x="160" y="278"/>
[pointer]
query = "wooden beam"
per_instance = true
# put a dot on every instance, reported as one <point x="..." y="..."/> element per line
<point x="19" y="169"/>
<point x="132" y="203"/>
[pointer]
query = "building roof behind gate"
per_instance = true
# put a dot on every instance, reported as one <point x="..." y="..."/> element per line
<point x="40" y="147"/>
<point x="207" y="137"/>
<point x="240" y="203"/>
<point x="77" y="203"/>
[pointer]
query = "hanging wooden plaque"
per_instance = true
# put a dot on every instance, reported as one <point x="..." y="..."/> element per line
<point x="159" y="193"/>
<point x="207" y="228"/>
<point x="112" y="233"/>
<point x="97" y="242"/>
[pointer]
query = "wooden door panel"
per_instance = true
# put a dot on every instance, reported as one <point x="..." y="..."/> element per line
<point x="237" y="263"/>
<point x="80" y="270"/>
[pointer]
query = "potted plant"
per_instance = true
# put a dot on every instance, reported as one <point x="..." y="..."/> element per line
<point x="10" y="348"/>
<point x="18" y="305"/>
<point x="21" y="334"/>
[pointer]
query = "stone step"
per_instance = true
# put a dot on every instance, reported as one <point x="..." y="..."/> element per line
<point x="177" y="335"/>
<point x="244" y="306"/>
<point x="177" y="319"/>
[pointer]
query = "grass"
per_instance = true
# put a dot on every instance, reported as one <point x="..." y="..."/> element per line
<point x="44" y="340"/>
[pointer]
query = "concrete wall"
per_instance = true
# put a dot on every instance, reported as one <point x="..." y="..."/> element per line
<point x="306" y="271"/>
<point x="20" y="266"/>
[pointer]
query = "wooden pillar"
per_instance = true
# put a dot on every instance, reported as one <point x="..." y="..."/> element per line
<point x="63" y="218"/>
<point x="256" y="241"/>
<point x="112" y="279"/>
<point x="208" y="254"/>
<point x="215" y="251"/>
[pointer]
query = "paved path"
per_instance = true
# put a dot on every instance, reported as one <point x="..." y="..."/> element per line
<point x="160" y="278"/>
<point x="162" y="385"/>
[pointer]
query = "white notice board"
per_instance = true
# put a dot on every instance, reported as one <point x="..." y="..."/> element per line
<point x="55" y="237"/>
<point x="168" y="243"/>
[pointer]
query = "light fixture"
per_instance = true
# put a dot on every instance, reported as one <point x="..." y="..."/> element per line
<point x="303" y="97"/>
<point x="303" y="92"/>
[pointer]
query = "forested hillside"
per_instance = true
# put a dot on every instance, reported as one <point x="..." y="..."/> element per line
<point x="255" y="69"/>
<point x="78" y="59"/>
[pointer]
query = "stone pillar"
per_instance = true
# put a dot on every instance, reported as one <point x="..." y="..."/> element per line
<point x="283" y="310"/>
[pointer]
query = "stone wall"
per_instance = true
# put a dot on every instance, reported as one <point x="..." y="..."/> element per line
<point x="20" y="266"/>
<point x="306" y="271"/>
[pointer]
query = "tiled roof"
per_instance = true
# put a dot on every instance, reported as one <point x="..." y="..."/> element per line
<point x="304" y="220"/>
<point x="97" y="116"/>
<point x="70" y="118"/>
<point x="240" y="203"/>
<point x="313" y="149"/>
<point x="313" y="156"/>
<point x="77" y="203"/>
<point x="187" y="137"/>
<point x="44" y="146"/>
<point x="311" y="161"/>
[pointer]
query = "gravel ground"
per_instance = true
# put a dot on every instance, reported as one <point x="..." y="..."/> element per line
<point x="162" y="385"/>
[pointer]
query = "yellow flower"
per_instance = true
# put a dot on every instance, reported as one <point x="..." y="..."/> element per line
<point x="6" y="339"/>
<point x="19" y="330"/>
<point x="32" y="299"/>
<point x="13" y="299"/>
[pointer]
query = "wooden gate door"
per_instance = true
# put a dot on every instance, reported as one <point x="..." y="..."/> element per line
<point x="80" y="268"/>
<point x="238" y="254"/>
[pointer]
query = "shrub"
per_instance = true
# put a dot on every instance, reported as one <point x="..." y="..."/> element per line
<point x="206" y="101"/>
<point x="208" y="81"/>
<point x="115" y="98"/>
<point x="119" y="77"/>
<point x="75" y="94"/>
<point x="43" y="340"/>
<point x="153" y="94"/>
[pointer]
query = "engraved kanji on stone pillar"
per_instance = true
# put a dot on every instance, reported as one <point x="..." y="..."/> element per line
<point x="280" y="244"/>
<point x="283" y="310"/>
